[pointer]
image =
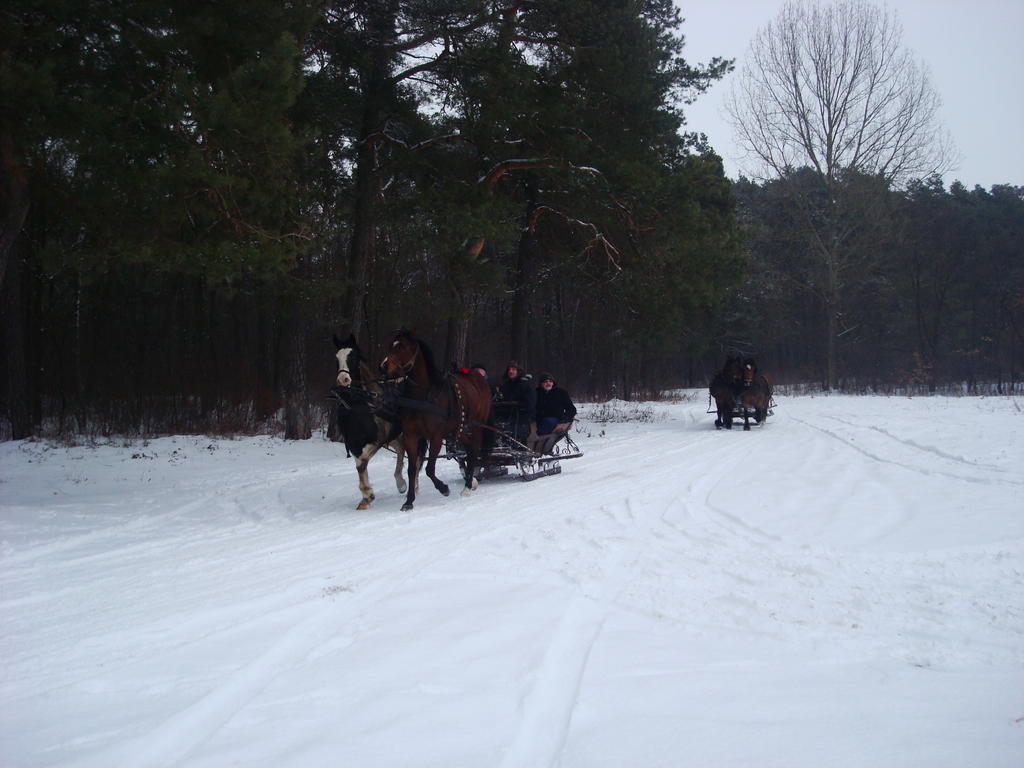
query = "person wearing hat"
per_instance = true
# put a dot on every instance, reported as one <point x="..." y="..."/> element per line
<point x="555" y="413"/>
<point x="519" y="400"/>
<point x="481" y="369"/>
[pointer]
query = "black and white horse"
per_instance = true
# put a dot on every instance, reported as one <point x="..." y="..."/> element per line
<point x="364" y="429"/>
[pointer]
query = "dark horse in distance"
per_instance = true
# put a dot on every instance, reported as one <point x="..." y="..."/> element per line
<point x="433" y="406"/>
<point x="725" y="388"/>
<point x="739" y="390"/>
<point x="755" y="395"/>
<point x="364" y="428"/>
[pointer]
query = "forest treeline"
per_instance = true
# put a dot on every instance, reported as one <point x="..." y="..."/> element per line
<point x="930" y="289"/>
<point x="196" y="196"/>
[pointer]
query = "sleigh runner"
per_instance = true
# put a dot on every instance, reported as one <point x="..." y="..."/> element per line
<point x="741" y="411"/>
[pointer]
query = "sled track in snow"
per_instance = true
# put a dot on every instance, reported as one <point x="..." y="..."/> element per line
<point x="321" y="624"/>
<point x="902" y="464"/>
<point x="917" y="446"/>
<point x="134" y="524"/>
<point x="548" y="705"/>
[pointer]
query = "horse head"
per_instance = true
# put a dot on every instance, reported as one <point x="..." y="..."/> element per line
<point x="733" y="369"/>
<point x="349" y="357"/>
<point x="749" y="371"/>
<point x="410" y="357"/>
<point x="402" y="355"/>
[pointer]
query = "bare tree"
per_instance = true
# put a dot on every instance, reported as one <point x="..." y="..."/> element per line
<point x="830" y="88"/>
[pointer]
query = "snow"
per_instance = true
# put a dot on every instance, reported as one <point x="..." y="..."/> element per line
<point x="842" y="587"/>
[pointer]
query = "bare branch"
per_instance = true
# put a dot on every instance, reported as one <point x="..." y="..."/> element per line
<point x="380" y="137"/>
<point x="518" y="164"/>
<point x="598" y="240"/>
<point x="424" y="67"/>
<point x="832" y="88"/>
<point x="431" y="35"/>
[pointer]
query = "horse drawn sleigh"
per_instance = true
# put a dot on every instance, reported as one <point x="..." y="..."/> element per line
<point x="415" y="409"/>
<point x="738" y="391"/>
<point x="506" y="452"/>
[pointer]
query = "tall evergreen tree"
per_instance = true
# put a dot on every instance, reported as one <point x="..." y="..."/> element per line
<point x="149" y="135"/>
<point x="574" y="109"/>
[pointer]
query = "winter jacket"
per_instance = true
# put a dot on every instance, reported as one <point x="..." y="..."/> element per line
<point x="520" y="391"/>
<point x="555" y="404"/>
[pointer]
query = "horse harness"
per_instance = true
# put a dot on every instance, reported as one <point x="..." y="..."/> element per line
<point x="390" y="399"/>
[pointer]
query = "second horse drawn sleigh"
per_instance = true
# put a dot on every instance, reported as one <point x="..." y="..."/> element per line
<point x="738" y="391"/>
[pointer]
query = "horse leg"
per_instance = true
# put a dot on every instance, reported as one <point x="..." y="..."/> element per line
<point x="472" y="458"/>
<point x="435" y="450"/>
<point x="417" y="460"/>
<point x="411" y="444"/>
<point x="364" y="478"/>
<point x="399" y="465"/>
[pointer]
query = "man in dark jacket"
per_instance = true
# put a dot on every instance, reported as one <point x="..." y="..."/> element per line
<point x="518" y="400"/>
<point x="555" y="413"/>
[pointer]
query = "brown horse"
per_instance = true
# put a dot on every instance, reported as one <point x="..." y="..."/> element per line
<point x="749" y="370"/>
<point x="433" y="406"/>
<point x="756" y="396"/>
<point x="734" y="369"/>
<point x="725" y="388"/>
<point x="724" y="393"/>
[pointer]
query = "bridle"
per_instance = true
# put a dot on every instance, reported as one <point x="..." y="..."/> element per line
<point x="403" y="368"/>
<point x="343" y="368"/>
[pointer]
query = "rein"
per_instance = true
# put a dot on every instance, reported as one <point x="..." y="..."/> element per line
<point x="378" y="401"/>
<point x="385" y="399"/>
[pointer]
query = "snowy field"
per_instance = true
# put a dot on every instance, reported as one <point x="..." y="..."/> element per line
<point x="843" y="587"/>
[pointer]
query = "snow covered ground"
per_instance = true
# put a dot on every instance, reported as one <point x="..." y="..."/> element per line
<point x="843" y="587"/>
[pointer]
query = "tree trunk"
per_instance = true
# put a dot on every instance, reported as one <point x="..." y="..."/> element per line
<point x="833" y="287"/>
<point x="461" y="336"/>
<point x="363" y="245"/>
<point x="832" y="342"/>
<point x="520" y="325"/>
<point x="459" y="316"/>
<point x="526" y="258"/>
<point x="364" y="239"/>
<point x="15" y="204"/>
<point x="18" y="399"/>
<point x="297" y="419"/>
<point x="267" y="386"/>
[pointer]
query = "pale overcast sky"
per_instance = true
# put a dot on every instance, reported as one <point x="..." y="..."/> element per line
<point x="973" y="49"/>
